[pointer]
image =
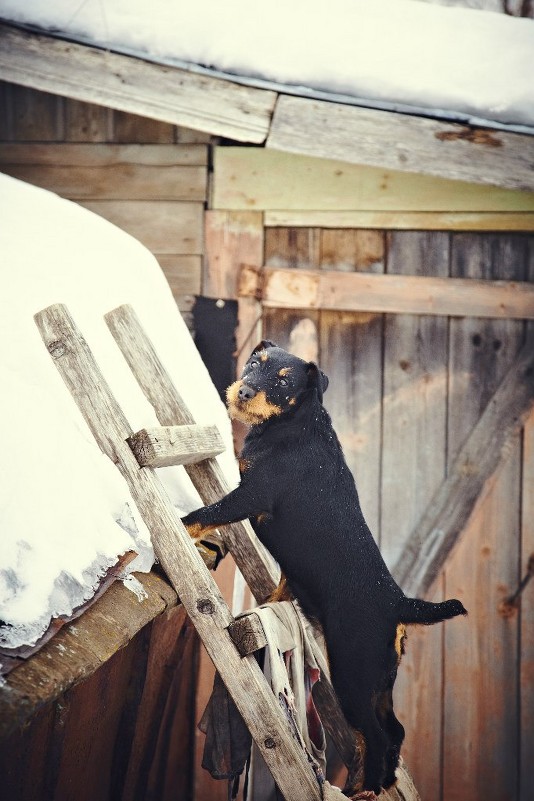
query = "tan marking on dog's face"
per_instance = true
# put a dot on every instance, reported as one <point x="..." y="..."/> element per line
<point x="292" y="401"/>
<point x="264" y="356"/>
<point x="284" y="371"/>
<point x="253" y="411"/>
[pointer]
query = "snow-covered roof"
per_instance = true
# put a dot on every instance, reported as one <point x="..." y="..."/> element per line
<point x="450" y="62"/>
<point x="65" y="512"/>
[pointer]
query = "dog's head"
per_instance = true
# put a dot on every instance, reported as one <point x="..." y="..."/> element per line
<point x="273" y="383"/>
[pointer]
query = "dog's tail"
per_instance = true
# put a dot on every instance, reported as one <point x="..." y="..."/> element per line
<point x="414" y="610"/>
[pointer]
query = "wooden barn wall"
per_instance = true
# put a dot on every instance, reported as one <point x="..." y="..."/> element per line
<point x="156" y="192"/>
<point x="124" y="733"/>
<point x="404" y="393"/>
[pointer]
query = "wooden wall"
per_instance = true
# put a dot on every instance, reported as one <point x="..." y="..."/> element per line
<point x="112" y="698"/>
<point x="404" y="393"/>
<point x="146" y="176"/>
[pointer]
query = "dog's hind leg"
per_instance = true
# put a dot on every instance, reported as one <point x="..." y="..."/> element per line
<point x="394" y="731"/>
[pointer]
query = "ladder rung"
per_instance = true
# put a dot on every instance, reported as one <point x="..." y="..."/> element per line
<point x="165" y="446"/>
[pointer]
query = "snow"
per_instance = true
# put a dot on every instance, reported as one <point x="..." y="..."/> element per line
<point x="65" y="511"/>
<point x="466" y="61"/>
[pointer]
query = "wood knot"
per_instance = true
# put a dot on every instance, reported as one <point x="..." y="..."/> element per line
<point x="205" y="606"/>
<point x="269" y="742"/>
<point x="57" y="348"/>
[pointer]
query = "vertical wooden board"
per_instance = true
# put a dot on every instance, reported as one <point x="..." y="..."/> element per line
<point x="233" y="239"/>
<point x="6" y="116"/>
<point x="481" y="669"/>
<point x="413" y="465"/>
<point x="415" y="385"/>
<point x="86" y="122"/>
<point x="161" y="763"/>
<point x="526" y="637"/>
<point x="296" y="331"/>
<point x="36" y="116"/>
<point x="351" y="356"/>
<point x="141" y="130"/>
<point x="167" y="662"/>
<point x="298" y="248"/>
<point x="481" y="350"/>
<point x="417" y="701"/>
<point x="480" y="729"/>
<point x="25" y="764"/>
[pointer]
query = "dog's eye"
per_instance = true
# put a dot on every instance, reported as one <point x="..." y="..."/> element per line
<point x="253" y="364"/>
<point x="283" y="382"/>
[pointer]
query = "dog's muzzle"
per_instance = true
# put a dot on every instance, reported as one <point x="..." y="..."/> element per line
<point x="246" y="393"/>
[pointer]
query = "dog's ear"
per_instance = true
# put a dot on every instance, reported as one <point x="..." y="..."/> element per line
<point x="265" y="343"/>
<point x="317" y="379"/>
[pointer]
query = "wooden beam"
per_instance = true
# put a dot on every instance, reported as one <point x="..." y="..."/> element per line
<point x="402" y="142"/>
<point x="111" y="172"/>
<point x="129" y="84"/>
<point x="445" y="518"/>
<point x="402" y="294"/>
<point x="179" y="558"/>
<point x="246" y="178"/>
<point x="172" y="445"/>
<point x="404" y="220"/>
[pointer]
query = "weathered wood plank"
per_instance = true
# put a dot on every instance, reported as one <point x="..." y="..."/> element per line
<point x="409" y="294"/>
<point x="85" y="122"/>
<point x="104" y="628"/>
<point x="111" y="172"/>
<point x="404" y="220"/>
<point x="481" y="669"/>
<point x="136" y="86"/>
<point x="180" y="560"/>
<point x="448" y="513"/>
<point x="526" y="618"/>
<point x="172" y="445"/>
<point x="351" y="354"/>
<point x="163" y="226"/>
<point x="182" y="272"/>
<point x="246" y="178"/>
<point x="481" y="651"/>
<point x="34" y="116"/>
<point x="415" y="390"/>
<point x="233" y="238"/>
<point x="413" y="445"/>
<point x="402" y="142"/>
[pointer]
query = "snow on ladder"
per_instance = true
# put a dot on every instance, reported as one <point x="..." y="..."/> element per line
<point x="174" y="443"/>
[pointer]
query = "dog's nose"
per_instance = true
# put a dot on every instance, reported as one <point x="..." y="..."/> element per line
<point x="246" y="392"/>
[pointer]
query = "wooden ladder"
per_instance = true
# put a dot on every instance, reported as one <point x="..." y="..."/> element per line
<point x="230" y="644"/>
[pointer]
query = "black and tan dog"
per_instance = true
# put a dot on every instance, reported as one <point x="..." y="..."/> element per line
<point x="301" y="498"/>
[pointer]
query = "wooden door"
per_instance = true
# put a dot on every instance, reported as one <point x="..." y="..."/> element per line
<point x="405" y="392"/>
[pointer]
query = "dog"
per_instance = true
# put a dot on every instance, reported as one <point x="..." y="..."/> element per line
<point x="302" y="501"/>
